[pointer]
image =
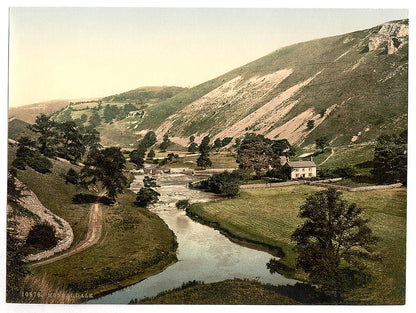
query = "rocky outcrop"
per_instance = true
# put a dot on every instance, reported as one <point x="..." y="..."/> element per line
<point x="62" y="228"/>
<point x="391" y="35"/>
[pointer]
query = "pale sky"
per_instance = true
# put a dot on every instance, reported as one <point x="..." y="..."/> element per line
<point x="70" y="53"/>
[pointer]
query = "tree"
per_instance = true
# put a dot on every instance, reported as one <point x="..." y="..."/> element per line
<point x="95" y="119"/>
<point x="204" y="146"/>
<point x="90" y="137"/>
<point x="105" y="166"/>
<point x="256" y="154"/>
<point x="217" y="144"/>
<point x="71" y="146"/>
<point x="390" y="159"/>
<point x="333" y="241"/>
<point x="146" y="196"/>
<point x="46" y="128"/>
<point x="165" y="143"/>
<point x="322" y="143"/>
<point x="137" y="155"/>
<point x="203" y="160"/>
<point x="226" y="184"/>
<point x="310" y="124"/>
<point x="151" y="154"/>
<point x="150" y="182"/>
<point x="193" y="147"/>
<point x="149" y="139"/>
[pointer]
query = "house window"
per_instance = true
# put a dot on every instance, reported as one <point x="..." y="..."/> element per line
<point x="310" y="174"/>
<point x="310" y="169"/>
<point x="303" y="170"/>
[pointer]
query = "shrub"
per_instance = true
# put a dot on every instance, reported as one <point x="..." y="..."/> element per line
<point x="71" y="177"/>
<point x="19" y="163"/>
<point x="183" y="204"/>
<point x="42" y="236"/>
<point x="146" y="196"/>
<point x="40" y="164"/>
<point x="225" y="183"/>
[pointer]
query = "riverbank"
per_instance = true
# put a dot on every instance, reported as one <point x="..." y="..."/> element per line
<point x="269" y="216"/>
<point x="135" y="244"/>
<point x="237" y="291"/>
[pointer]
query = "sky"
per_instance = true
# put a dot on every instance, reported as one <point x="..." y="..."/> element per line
<point x="74" y="53"/>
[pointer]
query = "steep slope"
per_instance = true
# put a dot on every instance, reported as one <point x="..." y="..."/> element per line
<point x="353" y="86"/>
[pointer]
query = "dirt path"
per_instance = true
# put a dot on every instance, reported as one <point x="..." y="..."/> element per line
<point x="332" y="153"/>
<point x="92" y="237"/>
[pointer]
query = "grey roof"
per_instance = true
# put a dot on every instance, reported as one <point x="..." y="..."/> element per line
<point x="297" y="164"/>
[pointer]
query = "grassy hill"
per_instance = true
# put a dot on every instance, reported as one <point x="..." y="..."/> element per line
<point x="29" y="112"/>
<point x="145" y="94"/>
<point x="353" y="86"/>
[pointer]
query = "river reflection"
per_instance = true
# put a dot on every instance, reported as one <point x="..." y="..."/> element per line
<point x="203" y="253"/>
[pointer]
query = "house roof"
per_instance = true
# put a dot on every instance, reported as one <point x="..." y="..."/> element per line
<point x="298" y="164"/>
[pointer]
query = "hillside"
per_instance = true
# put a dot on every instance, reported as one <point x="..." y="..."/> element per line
<point x="145" y="94"/>
<point x="29" y="112"/>
<point x="353" y="86"/>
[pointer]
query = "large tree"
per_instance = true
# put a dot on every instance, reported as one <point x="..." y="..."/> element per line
<point x="256" y="154"/>
<point x="390" y="159"/>
<point x="204" y="148"/>
<point x="333" y="241"/>
<point x="47" y="139"/>
<point x="106" y="167"/>
<point x="71" y="145"/>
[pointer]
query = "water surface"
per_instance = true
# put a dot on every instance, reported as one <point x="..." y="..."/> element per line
<point x="203" y="253"/>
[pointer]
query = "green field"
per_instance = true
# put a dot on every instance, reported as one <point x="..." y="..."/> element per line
<point x="357" y="156"/>
<point x="269" y="215"/>
<point x="134" y="243"/>
<point x="226" y="292"/>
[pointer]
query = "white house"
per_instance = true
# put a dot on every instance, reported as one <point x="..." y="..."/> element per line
<point x="302" y="169"/>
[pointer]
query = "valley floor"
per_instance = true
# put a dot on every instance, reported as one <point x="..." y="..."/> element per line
<point x="269" y="216"/>
<point x="134" y="243"/>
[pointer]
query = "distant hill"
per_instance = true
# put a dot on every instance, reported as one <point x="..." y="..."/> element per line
<point x="18" y="128"/>
<point x="29" y="112"/>
<point x="352" y="86"/>
<point x="145" y="94"/>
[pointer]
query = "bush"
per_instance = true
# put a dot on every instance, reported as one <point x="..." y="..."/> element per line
<point x="40" y="164"/>
<point x="42" y="236"/>
<point x="225" y="183"/>
<point x="282" y="173"/>
<point x="71" y="177"/>
<point x="344" y="172"/>
<point x="19" y="163"/>
<point x="183" y="205"/>
<point x="146" y="196"/>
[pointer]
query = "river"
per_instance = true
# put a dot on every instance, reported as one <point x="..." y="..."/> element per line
<point x="203" y="253"/>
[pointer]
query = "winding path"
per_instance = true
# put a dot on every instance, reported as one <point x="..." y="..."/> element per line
<point x="329" y="156"/>
<point x="92" y="237"/>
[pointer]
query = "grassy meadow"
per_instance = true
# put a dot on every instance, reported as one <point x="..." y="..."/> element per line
<point x="269" y="215"/>
<point x="227" y="292"/>
<point x="134" y="244"/>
